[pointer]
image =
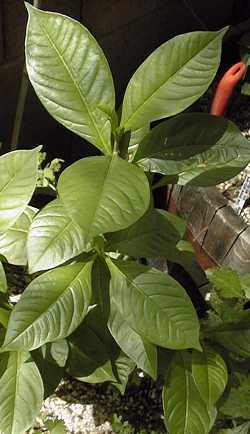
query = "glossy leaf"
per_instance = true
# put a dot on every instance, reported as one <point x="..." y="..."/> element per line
<point x="21" y="393"/>
<point x="171" y="78"/>
<point x="123" y="367"/>
<point x="200" y="148"/>
<point x="51" y="307"/>
<point x="53" y="238"/>
<point x="234" y="336"/>
<point x="3" y="281"/>
<point x="154" y="305"/>
<point x="13" y="241"/>
<point x="210" y="375"/>
<point x="18" y="175"/>
<point x="156" y="234"/>
<point x="185" y="412"/>
<point x="104" y="194"/>
<point x="142" y="352"/>
<point x="70" y="75"/>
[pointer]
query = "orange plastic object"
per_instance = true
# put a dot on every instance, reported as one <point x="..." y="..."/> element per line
<point x="225" y="88"/>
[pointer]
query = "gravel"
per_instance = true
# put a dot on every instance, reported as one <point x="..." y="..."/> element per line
<point x="89" y="409"/>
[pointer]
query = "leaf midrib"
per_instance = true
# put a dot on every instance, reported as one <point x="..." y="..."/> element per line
<point x="49" y="307"/>
<point x="82" y="97"/>
<point x="171" y="77"/>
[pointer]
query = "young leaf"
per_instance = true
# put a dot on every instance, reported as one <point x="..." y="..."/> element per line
<point x="104" y="194"/>
<point x="226" y="281"/>
<point x="210" y="375"/>
<point x="154" y="305"/>
<point x="182" y="146"/>
<point x="53" y="238"/>
<point x="3" y="281"/>
<point x="13" y="241"/>
<point x="70" y="75"/>
<point x="142" y="352"/>
<point x="184" y="410"/>
<point x="18" y="175"/>
<point x="21" y="393"/>
<point x="171" y="78"/>
<point x="51" y="307"/>
<point x="156" y="234"/>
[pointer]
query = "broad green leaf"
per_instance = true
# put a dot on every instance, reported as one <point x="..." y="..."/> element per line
<point x="13" y="241"/>
<point x="18" y="175"/>
<point x="3" y="281"/>
<point x="142" y="352"/>
<point x="51" y="307"/>
<point x="70" y="75"/>
<point x="226" y="281"/>
<point x="123" y="366"/>
<point x="210" y="375"/>
<point x="156" y="234"/>
<point x="104" y="194"/>
<point x="87" y="353"/>
<point x="53" y="238"/>
<point x="237" y="403"/>
<point x="154" y="304"/>
<point x="197" y="148"/>
<point x="234" y="336"/>
<point x="184" y="410"/>
<point x="171" y="78"/>
<point x="21" y="393"/>
<point x="49" y="369"/>
<point x="245" y="283"/>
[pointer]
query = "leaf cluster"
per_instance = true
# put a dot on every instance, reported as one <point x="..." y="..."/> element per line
<point x="92" y="311"/>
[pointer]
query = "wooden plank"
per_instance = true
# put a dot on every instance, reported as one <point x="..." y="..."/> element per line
<point x="198" y="206"/>
<point x="238" y="257"/>
<point x="222" y="233"/>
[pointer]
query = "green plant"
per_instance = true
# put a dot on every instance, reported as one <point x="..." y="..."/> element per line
<point x="92" y="310"/>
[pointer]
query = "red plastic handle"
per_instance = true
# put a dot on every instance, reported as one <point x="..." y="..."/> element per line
<point x="225" y="88"/>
